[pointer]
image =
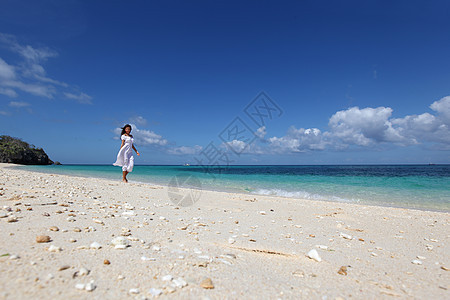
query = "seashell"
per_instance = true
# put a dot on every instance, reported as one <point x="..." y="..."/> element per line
<point x="43" y="239"/>
<point x="231" y="241"/>
<point x="83" y="272"/>
<point x="54" y="228"/>
<point x="167" y="278"/>
<point x="298" y="273"/>
<point x="420" y="257"/>
<point x="229" y="255"/>
<point x="179" y="282"/>
<point x="95" y="245"/>
<point x="134" y="291"/>
<point x="322" y="247"/>
<point x="106" y="262"/>
<point x="54" y="248"/>
<point x="155" y="292"/>
<point x="343" y="270"/>
<point x="262" y="212"/>
<point x="416" y="262"/>
<point x="80" y="286"/>
<point x="120" y="242"/>
<point x="346" y="236"/>
<point x="90" y="286"/>
<point x="76" y="229"/>
<point x="314" y="255"/>
<point x="207" y="284"/>
<point x="12" y="219"/>
<point x="65" y="267"/>
<point x="14" y="257"/>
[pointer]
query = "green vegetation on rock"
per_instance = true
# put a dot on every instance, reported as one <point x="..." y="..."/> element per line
<point x="14" y="150"/>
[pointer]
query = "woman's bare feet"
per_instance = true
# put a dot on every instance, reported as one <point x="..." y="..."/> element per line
<point x="125" y="180"/>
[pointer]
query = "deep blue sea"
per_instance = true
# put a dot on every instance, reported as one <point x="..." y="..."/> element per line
<point x="410" y="186"/>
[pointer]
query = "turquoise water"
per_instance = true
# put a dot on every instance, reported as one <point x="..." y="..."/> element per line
<point x="410" y="186"/>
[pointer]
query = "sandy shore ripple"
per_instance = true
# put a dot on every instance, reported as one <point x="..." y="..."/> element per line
<point x="68" y="237"/>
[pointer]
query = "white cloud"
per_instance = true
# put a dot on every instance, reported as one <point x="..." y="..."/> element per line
<point x="298" y="140"/>
<point x="29" y="74"/>
<point x="442" y="107"/>
<point x="241" y="147"/>
<point x="18" y="104"/>
<point x="35" y="88"/>
<point x="81" y="98"/>
<point x="139" y="120"/>
<point x="8" y="92"/>
<point x="362" y="127"/>
<point x="369" y="127"/>
<point x="186" y="150"/>
<point x="261" y="132"/>
<point x="6" y="71"/>
<point x="4" y="113"/>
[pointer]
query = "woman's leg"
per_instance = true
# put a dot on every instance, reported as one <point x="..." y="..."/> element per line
<point x="124" y="176"/>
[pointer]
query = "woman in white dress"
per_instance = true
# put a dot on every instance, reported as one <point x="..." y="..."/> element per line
<point x="125" y="157"/>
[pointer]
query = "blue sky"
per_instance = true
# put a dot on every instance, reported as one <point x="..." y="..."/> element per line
<point x="355" y="81"/>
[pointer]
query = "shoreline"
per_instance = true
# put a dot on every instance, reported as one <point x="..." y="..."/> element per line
<point x="368" y="203"/>
<point x="248" y="246"/>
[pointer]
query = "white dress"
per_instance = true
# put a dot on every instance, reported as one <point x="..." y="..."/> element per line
<point x="125" y="157"/>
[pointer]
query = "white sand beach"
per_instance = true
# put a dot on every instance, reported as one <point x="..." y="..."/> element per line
<point x="224" y="246"/>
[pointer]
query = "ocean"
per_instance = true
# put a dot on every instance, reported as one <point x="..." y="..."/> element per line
<point x="409" y="186"/>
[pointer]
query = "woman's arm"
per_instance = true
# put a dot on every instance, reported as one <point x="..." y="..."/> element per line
<point x="135" y="150"/>
<point x="123" y="142"/>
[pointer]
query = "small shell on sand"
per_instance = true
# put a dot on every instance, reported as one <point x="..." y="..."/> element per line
<point x="95" y="245"/>
<point x="120" y="242"/>
<point x="167" y="278"/>
<point x="43" y="239"/>
<point x="106" y="262"/>
<point x="179" y="282"/>
<point x="80" y="286"/>
<point x="90" y="286"/>
<point x="346" y="236"/>
<point x="12" y="219"/>
<point x="83" y="272"/>
<point x="54" y="248"/>
<point x="207" y="284"/>
<point x="155" y="292"/>
<point x="65" y="267"/>
<point x="343" y="270"/>
<point x="76" y="229"/>
<point x="54" y="228"/>
<point x="134" y="291"/>
<point x="314" y="255"/>
<point x="416" y="262"/>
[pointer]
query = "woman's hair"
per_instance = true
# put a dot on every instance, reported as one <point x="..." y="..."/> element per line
<point x="123" y="129"/>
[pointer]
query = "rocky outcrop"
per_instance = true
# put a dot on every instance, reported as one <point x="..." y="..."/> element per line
<point x="13" y="150"/>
